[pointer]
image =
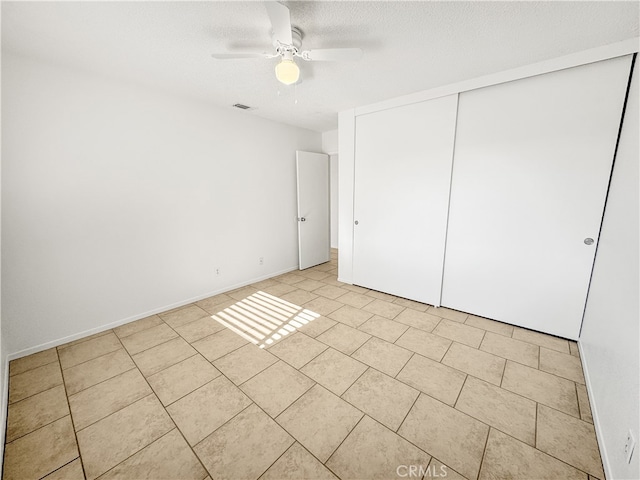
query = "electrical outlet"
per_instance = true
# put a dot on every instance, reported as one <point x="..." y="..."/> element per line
<point x="261" y="260"/>
<point x="629" y="446"/>
<point x="217" y="271"/>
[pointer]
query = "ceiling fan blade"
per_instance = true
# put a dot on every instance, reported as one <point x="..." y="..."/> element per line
<point x="231" y="56"/>
<point x="280" y="22"/>
<point x="332" y="54"/>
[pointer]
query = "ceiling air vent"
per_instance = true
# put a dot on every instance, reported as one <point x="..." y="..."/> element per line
<point x="241" y="106"/>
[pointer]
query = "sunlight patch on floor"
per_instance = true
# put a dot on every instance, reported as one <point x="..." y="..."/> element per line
<point x="263" y="319"/>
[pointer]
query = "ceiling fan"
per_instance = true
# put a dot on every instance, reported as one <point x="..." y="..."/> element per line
<point x="287" y="41"/>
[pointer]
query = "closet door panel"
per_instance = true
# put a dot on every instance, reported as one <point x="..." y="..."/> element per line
<point x="403" y="160"/>
<point x="530" y="176"/>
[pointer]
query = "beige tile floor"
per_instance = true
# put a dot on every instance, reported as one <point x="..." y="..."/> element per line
<point x="363" y="385"/>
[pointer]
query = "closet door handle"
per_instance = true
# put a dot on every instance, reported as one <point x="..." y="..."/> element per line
<point x="588" y="241"/>
<point x="356" y="222"/>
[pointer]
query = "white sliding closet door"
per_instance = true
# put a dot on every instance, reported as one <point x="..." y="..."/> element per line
<point x="531" y="170"/>
<point x="402" y="177"/>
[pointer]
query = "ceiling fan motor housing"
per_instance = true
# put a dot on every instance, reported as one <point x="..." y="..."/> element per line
<point x="296" y="35"/>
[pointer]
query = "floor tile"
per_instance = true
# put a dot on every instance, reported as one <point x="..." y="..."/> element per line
<point x="36" y="411"/>
<point x="314" y="274"/>
<point x="490" y="325"/>
<point x="372" y="451"/>
<point x="381" y="295"/>
<point x="219" y="344"/>
<point x="511" y="349"/>
<point x="309" y="285"/>
<point x="344" y="338"/>
<point x="211" y="304"/>
<point x="480" y="364"/>
<point x="71" y="471"/>
<point x="103" y="399"/>
<point x="355" y="288"/>
<point x="506" y="411"/>
<point x="459" y="332"/>
<point x="198" y="329"/>
<point x="241" y="293"/>
<point x="433" y="378"/>
<point x="84" y="339"/>
<point x="148" y="338"/>
<point x="113" y="439"/>
<point x="137" y="326"/>
<point x="448" y="434"/>
<point x="541" y="339"/>
<point x="242" y="364"/>
<point x="356" y="300"/>
<point x="542" y="387"/>
<point x="55" y="444"/>
<point x="89" y="350"/>
<point x="421" y="307"/>
<point x="298" y="464"/>
<point x="330" y="291"/>
<point x="384" y="309"/>
<point x="277" y="387"/>
<point x="245" y="447"/>
<point x="583" y="403"/>
<point x="290" y="278"/>
<point x="425" y="343"/>
<point x="561" y="364"/>
<point x="384" y="356"/>
<point x="322" y="305"/>
<point x="448" y="313"/>
<point x="279" y="289"/>
<point x="299" y="296"/>
<point x="21" y="365"/>
<point x="420" y="320"/>
<point x="169" y="457"/>
<point x="162" y="356"/>
<point x="383" y="328"/>
<point x="573" y="347"/>
<point x="207" y="408"/>
<point x="317" y="326"/>
<point x="320" y="421"/>
<point x="182" y="378"/>
<point x="298" y="349"/>
<point x="97" y="370"/>
<point x="269" y="282"/>
<point x="508" y="458"/>
<point x="569" y="439"/>
<point x="34" y="381"/>
<point x="437" y="469"/>
<point x="385" y="399"/>
<point x="334" y="370"/>
<point x="350" y="316"/>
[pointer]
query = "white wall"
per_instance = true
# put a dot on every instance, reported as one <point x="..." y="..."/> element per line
<point x="119" y="201"/>
<point x="333" y="190"/>
<point x="330" y="142"/>
<point x="330" y="146"/>
<point x="609" y="341"/>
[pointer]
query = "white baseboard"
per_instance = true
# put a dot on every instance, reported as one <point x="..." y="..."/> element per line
<point x="109" y="326"/>
<point x="594" y="414"/>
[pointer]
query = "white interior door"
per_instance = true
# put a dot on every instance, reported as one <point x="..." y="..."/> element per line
<point x="531" y="170"/>
<point x="402" y="178"/>
<point x="313" y="208"/>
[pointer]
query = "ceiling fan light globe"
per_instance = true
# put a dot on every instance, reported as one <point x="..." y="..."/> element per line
<point x="287" y="72"/>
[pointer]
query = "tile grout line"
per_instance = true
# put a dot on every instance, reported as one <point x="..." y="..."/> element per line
<point x="34" y="368"/>
<point x="73" y="424"/>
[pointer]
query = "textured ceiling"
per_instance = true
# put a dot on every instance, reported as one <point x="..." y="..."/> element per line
<point x="409" y="46"/>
